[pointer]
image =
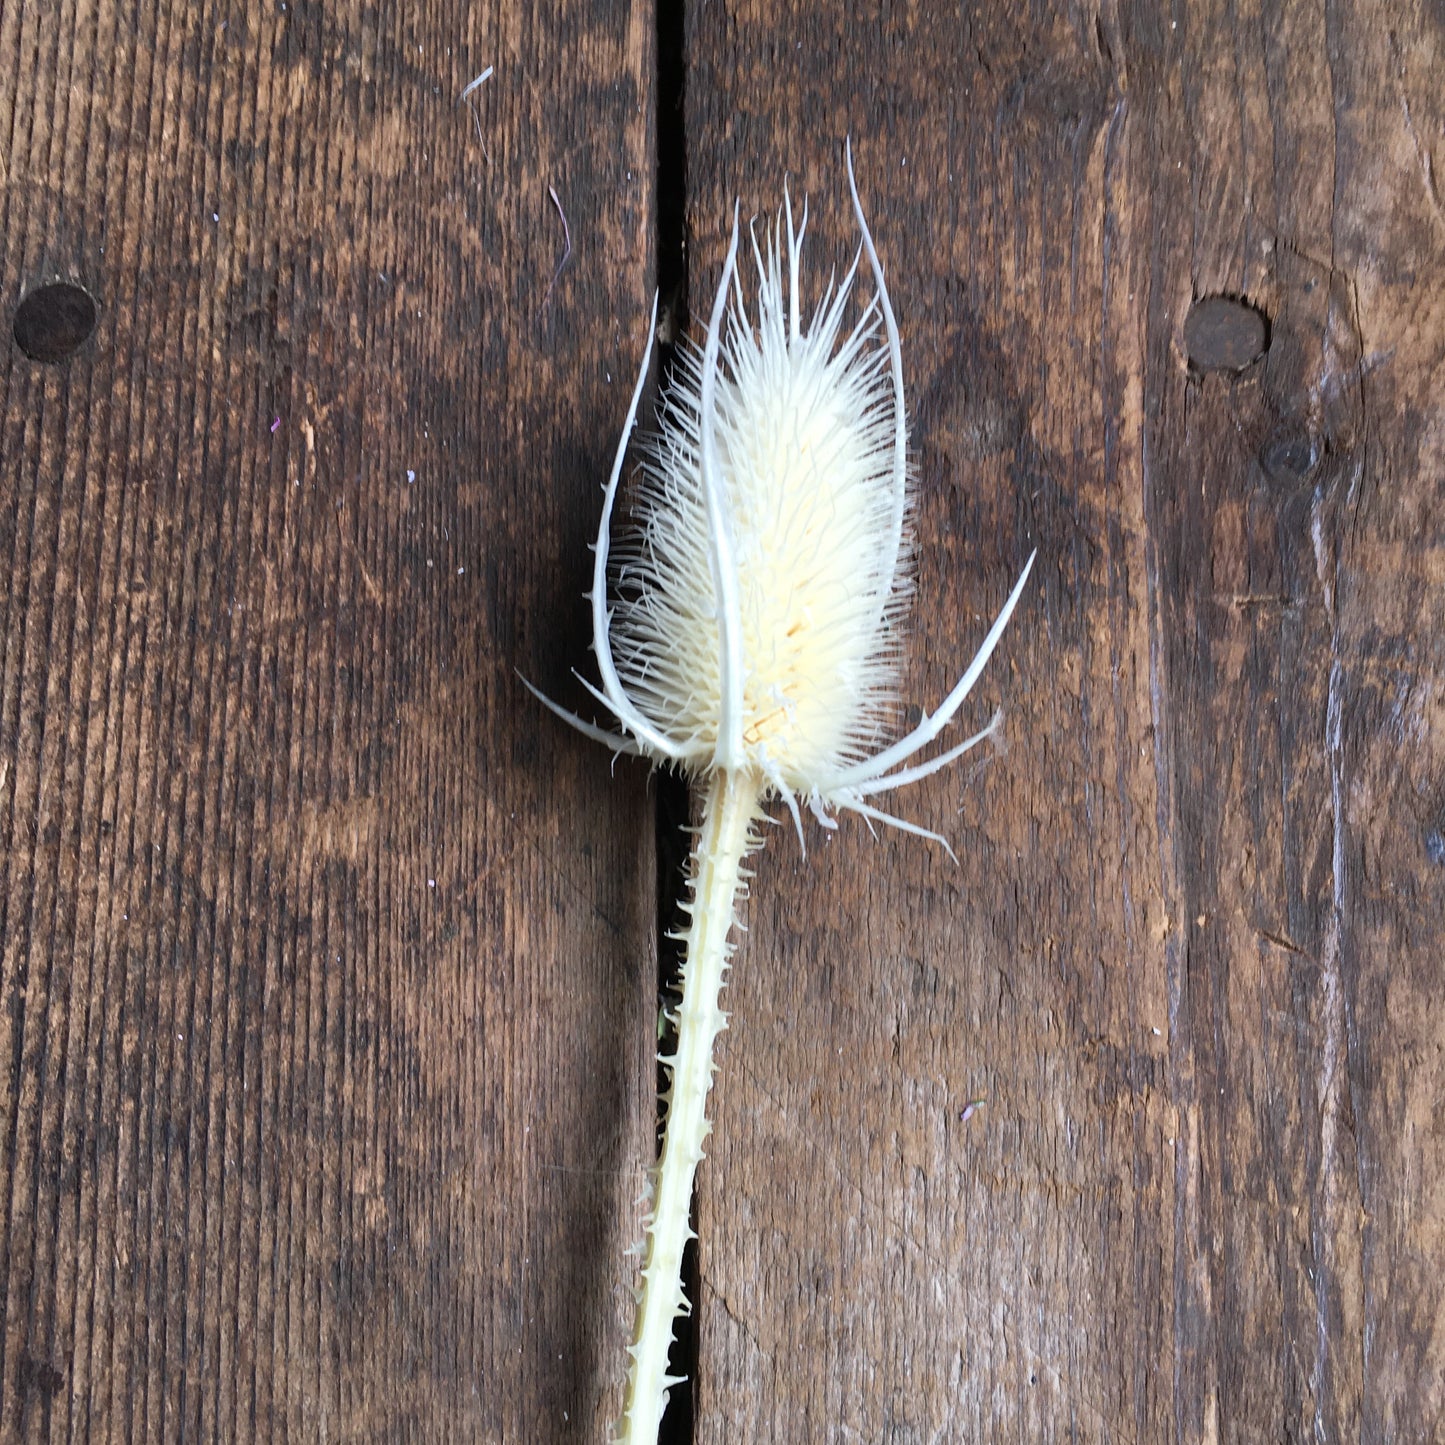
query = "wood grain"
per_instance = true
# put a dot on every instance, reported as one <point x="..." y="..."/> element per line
<point x="326" y="959"/>
<point x="1191" y="957"/>
<point x="325" y="1072"/>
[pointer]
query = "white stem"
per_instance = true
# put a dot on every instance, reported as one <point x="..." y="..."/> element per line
<point x="723" y="841"/>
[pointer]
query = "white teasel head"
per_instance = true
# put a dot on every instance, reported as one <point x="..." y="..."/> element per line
<point x="755" y="620"/>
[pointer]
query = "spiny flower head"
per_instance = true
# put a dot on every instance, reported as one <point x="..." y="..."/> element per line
<point x="755" y="624"/>
<point x="805" y="441"/>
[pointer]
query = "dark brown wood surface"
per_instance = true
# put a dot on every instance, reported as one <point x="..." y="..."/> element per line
<point x="1192" y="954"/>
<point x="327" y="1003"/>
<point x="325" y="1078"/>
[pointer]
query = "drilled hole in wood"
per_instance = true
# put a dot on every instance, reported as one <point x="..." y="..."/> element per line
<point x="54" y="321"/>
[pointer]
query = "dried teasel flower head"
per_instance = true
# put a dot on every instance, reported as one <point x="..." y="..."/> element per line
<point x="753" y="643"/>
<point x="756" y="618"/>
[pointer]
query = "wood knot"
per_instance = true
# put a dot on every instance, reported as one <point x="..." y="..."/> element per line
<point x="1289" y="455"/>
<point x="1224" y="334"/>
<point x="54" y="321"/>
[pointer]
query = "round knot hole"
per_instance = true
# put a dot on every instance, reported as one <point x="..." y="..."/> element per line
<point x="53" y="321"/>
<point x="1223" y="334"/>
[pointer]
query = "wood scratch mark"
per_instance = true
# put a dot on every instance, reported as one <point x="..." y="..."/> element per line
<point x="466" y="95"/>
<point x="1280" y="941"/>
<point x="567" y="252"/>
<point x="1259" y="599"/>
<point x="477" y="83"/>
<point x="1422" y="154"/>
<point x="736" y="1318"/>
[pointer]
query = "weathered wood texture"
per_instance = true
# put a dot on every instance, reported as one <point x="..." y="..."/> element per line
<point x="324" y="1060"/>
<point x="1192" y="956"/>
<point x="326" y="1004"/>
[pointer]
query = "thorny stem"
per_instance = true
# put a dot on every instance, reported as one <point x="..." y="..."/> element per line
<point x="718" y="879"/>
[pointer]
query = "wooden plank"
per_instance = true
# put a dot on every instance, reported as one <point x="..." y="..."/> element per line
<point x="325" y="1068"/>
<point x="1191" y="955"/>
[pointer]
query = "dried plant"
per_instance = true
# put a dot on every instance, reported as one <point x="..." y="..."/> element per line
<point x="753" y="643"/>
